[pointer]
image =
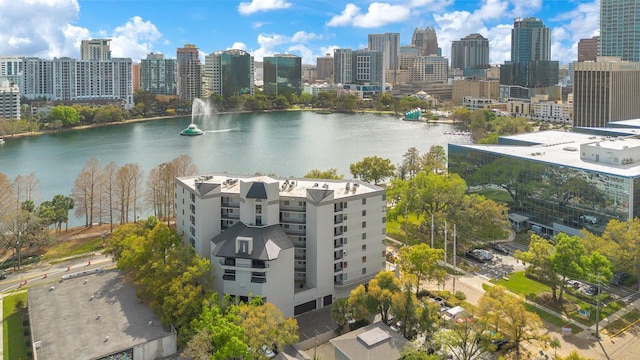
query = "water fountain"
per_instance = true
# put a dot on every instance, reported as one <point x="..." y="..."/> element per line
<point x="198" y="108"/>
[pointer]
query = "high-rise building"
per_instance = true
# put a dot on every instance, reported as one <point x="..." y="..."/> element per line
<point x="530" y="40"/>
<point x="189" y="72"/>
<point x="389" y="45"/>
<point x="324" y="68"/>
<point x="620" y="29"/>
<point x="342" y="66"/>
<point x="283" y="239"/>
<point x="588" y="49"/>
<point x="605" y="90"/>
<point x="37" y="80"/>
<point x="135" y="76"/>
<point x="368" y="67"/>
<point x="426" y="40"/>
<point x="11" y="68"/>
<point x="470" y="52"/>
<point x="93" y="80"/>
<point x="9" y="100"/>
<point x="95" y="49"/>
<point x="228" y="73"/>
<point x="530" y="64"/>
<point x="429" y="69"/>
<point x="158" y="75"/>
<point x="282" y="74"/>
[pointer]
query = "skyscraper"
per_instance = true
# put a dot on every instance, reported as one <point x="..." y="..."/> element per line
<point x="588" y="49"/>
<point x="426" y="40"/>
<point x="324" y="67"/>
<point x="470" y="52"/>
<point x="342" y="66"/>
<point x="228" y="73"/>
<point x="158" y="75"/>
<point x="389" y="45"/>
<point x="530" y="64"/>
<point x="95" y="49"/>
<point x="620" y="29"/>
<point x="530" y="40"/>
<point x="605" y="90"/>
<point x="189" y="72"/>
<point x="282" y="74"/>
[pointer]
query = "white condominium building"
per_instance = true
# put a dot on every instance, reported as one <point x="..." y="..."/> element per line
<point x="295" y="242"/>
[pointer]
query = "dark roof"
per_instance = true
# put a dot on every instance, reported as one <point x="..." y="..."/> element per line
<point x="318" y="195"/>
<point x="267" y="242"/>
<point x="204" y="187"/>
<point x="257" y="191"/>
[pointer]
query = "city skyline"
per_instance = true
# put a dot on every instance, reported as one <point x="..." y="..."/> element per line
<point x="55" y="28"/>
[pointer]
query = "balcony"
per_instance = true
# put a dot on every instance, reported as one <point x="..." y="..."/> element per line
<point x="290" y="220"/>
<point x="254" y="265"/>
<point x="258" y="280"/>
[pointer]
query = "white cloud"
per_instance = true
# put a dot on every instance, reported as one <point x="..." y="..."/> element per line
<point x="302" y="36"/>
<point x="39" y="28"/>
<point x="307" y="55"/>
<point x="239" y="46"/>
<point x="258" y="24"/>
<point x="378" y="14"/>
<point x="134" y="39"/>
<point x="262" y="5"/>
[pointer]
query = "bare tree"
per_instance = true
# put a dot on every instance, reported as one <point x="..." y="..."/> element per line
<point x="108" y="180"/>
<point x="128" y="191"/>
<point x="160" y="194"/>
<point x="85" y="191"/>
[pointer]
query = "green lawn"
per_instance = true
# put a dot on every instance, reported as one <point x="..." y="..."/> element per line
<point x="14" y="340"/>
<point x="71" y="248"/>
<point x="396" y="229"/>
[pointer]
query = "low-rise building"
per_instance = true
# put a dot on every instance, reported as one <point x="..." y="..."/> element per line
<point x="295" y="242"/>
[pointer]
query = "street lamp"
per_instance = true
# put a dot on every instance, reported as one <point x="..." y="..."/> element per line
<point x="18" y="249"/>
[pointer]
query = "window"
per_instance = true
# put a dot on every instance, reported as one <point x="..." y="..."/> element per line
<point x="344" y="265"/>
<point x="364" y="271"/>
<point x="364" y="247"/>
<point x="301" y="203"/>
<point x="364" y="212"/>
<point x="229" y="275"/>
<point x="364" y="224"/>
<point x="364" y="236"/>
<point x="364" y="201"/>
<point x="258" y="209"/>
<point x="286" y="203"/>
<point x="384" y="219"/>
<point x="384" y="197"/>
<point x="192" y="241"/>
<point x="364" y="259"/>
<point x="345" y="228"/>
<point x="384" y="231"/>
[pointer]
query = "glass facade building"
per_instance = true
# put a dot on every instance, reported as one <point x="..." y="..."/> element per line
<point x="229" y="73"/>
<point x="565" y="183"/>
<point x="282" y="75"/>
<point x="158" y="75"/>
<point x="620" y="29"/>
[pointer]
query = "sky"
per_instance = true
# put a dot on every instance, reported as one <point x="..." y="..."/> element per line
<point x="309" y="29"/>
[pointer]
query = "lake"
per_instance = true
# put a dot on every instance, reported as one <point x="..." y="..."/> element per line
<point x="282" y="143"/>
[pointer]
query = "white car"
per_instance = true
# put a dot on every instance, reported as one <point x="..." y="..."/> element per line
<point x="268" y="352"/>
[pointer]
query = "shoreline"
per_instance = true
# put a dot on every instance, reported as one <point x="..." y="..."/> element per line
<point x="137" y="120"/>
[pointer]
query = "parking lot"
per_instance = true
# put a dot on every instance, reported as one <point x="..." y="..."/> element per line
<point x="500" y="265"/>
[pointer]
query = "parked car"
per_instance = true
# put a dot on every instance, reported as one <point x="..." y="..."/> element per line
<point x="500" y="343"/>
<point x="500" y="249"/>
<point x="3" y="276"/>
<point x="589" y="219"/>
<point x="479" y="255"/>
<point x="590" y="290"/>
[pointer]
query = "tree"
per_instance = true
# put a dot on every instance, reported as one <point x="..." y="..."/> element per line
<point x="411" y="162"/>
<point x="218" y="334"/>
<point x="67" y="115"/>
<point x="108" y="179"/>
<point x="61" y="205"/>
<point x="479" y="124"/>
<point x="160" y="193"/>
<point x="372" y="168"/>
<point x="515" y="322"/>
<point x="265" y="325"/>
<point x="435" y="160"/>
<point x="538" y="255"/>
<point x="567" y="260"/>
<point x="404" y="307"/>
<point x="555" y="345"/>
<point x="326" y="174"/>
<point x="574" y="355"/>
<point x="340" y="313"/>
<point x="381" y="290"/>
<point x="128" y="191"/>
<point x="466" y="339"/>
<point x="422" y="262"/>
<point x="86" y="189"/>
<point x="623" y="240"/>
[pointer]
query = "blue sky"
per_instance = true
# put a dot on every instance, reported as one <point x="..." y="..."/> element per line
<point x="311" y="28"/>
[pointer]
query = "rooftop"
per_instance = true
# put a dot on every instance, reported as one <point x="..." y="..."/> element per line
<point x="289" y="187"/>
<point x="90" y="317"/>
<point x="374" y="341"/>
<point x="563" y="148"/>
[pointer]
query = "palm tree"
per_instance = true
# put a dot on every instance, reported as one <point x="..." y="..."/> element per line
<point x="555" y="345"/>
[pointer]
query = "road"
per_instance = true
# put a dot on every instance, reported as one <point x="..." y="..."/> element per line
<point x="43" y="272"/>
